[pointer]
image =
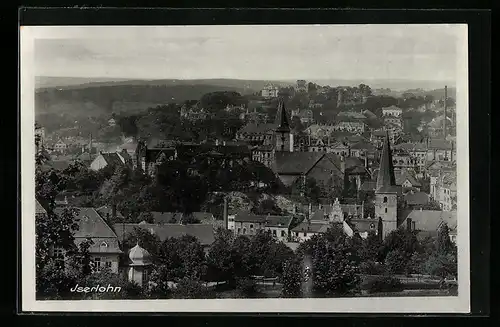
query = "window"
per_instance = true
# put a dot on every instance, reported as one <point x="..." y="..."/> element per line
<point x="244" y="231"/>
<point x="305" y="234"/>
<point x="372" y="226"/>
<point x="251" y="226"/>
<point x="385" y="199"/>
<point x="104" y="244"/>
<point x="108" y="264"/>
<point x="239" y="230"/>
<point x="283" y="234"/>
<point x="97" y="263"/>
<point x="145" y="275"/>
<point x="274" y="232"/>
<point x="385" y="210"/>
<point x="58" y="253"/>
<point x="297" y="234"/>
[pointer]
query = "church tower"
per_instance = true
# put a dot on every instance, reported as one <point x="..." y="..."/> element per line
<point x="283" y="135"/>
<point x="386" y="193"/>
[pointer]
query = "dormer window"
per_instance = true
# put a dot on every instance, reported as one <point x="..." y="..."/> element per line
<point x="385" y="199"/>
<point x="104" y="245"/>
<point x="85" y="218"/>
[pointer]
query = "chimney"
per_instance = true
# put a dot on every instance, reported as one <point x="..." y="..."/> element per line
<point x="225" y="214"/>
<point x="366" y="160"/>
<point x="408" y="224"/>
<point x="113" y="210"/>
<point x="445" y="107"/>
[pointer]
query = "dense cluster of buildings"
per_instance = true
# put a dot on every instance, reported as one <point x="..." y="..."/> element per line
<point x="379" y="162"/>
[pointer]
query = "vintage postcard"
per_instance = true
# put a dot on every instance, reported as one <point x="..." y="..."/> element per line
<point x="266" y="168"/>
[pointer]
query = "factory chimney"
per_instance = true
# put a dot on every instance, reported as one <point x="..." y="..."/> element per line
<point x="445" y="107"/>
<point x="225" y="214"/>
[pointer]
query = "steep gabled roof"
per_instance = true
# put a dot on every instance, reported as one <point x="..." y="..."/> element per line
<point x="386" y="179"/>
<point x="91" y="225"/>
<point x="296" y="162"/>
<point x="283" y="122"/>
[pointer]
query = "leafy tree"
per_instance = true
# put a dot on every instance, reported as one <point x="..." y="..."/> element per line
<point x="396" y="262"/>
<point x="220" y="257"/>
<point x="403" y="240"/>
<point x="292" y="279"/>
<point x="183" y="257"/>
<point x="443" y="242"/>
<point x="441" y="264"/>
<point x="371" y="248"/>
<point x="267" y="206"/>
<point x="334" y="263"/>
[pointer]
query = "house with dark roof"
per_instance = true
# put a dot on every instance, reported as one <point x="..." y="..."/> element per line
<point x="294" y="168"/>
<point x="108" y="212"/>
<point x="112" y="159"/>
<point x="441" y="150"/>
<point x="417" y="199"/>
<point x="407" y="180"/>
<point x="428" y="222"/>
<point x="246" y="223"/>
<point x="104" y="250"/>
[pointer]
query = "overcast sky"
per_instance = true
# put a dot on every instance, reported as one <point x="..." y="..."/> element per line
<point x="414" y="52"/>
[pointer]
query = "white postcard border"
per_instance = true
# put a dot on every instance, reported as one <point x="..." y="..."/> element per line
<point x="458" y="304"/>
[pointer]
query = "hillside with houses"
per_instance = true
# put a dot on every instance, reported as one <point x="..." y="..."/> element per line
<point x="222" y="192"/>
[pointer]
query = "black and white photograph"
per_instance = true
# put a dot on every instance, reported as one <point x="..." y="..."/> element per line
<point x="280" y="168"/>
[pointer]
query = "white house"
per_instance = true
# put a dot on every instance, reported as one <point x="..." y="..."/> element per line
<point x="392" y="111"/>
<point x="104" y="250"/>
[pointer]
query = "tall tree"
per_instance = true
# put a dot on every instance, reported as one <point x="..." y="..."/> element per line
<point x="292" y="279"/>
<point x="220" y="257"/>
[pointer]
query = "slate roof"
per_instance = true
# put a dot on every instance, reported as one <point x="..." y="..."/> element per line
<point x="203" y="232"/>
<point x="429" y="221"/>
<point x="386" y="178"/>
<point x="411" y="146"/>
<point x="252" y="128"/>
<point x="418" y="198"/>
<point x="403" y="175"/>
<point x="91" y="225"/>
<point x="364" y="224"/>
<point x="104" y="211"/>
<point x="296" y="162"/>
<point x="112" y="159"/>
<point x="250" y="218"/>
<point x="279" y="221"/>
<point x="362" y="145"/>
<point x="439" y="144"/>
<point x="39" y="209"/>
<point x="306" y="227"/>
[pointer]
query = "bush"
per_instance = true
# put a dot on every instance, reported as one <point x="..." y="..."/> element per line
<point x="192" y="289"/>
<point x="247" y="287"/>
<point x="382" y="284"/>
<point x="372" y="268"/>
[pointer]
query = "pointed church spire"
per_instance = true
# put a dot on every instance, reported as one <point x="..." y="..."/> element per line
<point x="282" y="118"/>
<point x="385" y="178"/>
